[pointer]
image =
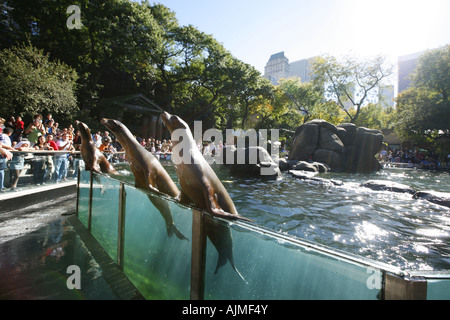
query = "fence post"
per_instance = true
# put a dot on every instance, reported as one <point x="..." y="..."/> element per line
<point x="198" y="258"/>
<point x="404" y="288"/>
<point x="78" y="190"/>
<point x="121" y="230"/>
<point x="91" y="192"/>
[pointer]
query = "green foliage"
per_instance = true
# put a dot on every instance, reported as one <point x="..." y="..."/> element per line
<point x="423" y="110"/>
<point x="305" y="98"/>
<point x="375" y="116"/>
<point x="30" y="83"/>
<point x="350" y="83"/>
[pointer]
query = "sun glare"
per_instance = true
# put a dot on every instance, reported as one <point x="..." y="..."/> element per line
<point x="394" y="27"/>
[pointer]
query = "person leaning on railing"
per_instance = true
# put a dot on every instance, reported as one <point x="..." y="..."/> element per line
<point x="40" y="161"/>
<point x="61" y="160"/>
<point x="17" y="163"/>
<point x="5" y="155"/>
<point x="106" y="147"/>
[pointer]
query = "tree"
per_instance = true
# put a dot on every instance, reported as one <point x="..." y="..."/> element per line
<point x="351" y="83"/>
<point x="433" y="72"/>
<point x="302" y="97"/>
<point x="374" y="116"/>
<point x="118" y="37"/>
<point x="30" y="83"/>
<point x="423" y="110"/>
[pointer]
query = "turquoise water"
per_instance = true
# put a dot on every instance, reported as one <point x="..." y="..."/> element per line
<point x="385" y="226"/>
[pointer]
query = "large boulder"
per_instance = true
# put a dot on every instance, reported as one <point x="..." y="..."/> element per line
<point x="308" y="166"/>
<point x="347" y="133"/>
<point x="368" y="140"/>
<point x="382" y="185"/>
<point x="330" y="141"/>
<point x="310" y="176"/>
<point x="359" y="160"/>
<point x="343" y="148"/>
<point x="440" y="198"/>
<point x="305" y="142"/>
<point x="264" y="166"/>
<point x="329" y="157"/>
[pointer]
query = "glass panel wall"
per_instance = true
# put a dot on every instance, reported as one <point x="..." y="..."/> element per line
<point x="83" y="197"/>
<point x="105" y="213"/>
<point x="270" y="268"/>
<point x="438" y="289"/>
<point x="157" y="246"/>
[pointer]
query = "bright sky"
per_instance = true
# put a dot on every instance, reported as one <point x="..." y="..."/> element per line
<point x="253" y="30"/>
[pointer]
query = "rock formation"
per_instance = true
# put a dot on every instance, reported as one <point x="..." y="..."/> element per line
<point x="344" y="147"/>
<point x="262" y="166"/>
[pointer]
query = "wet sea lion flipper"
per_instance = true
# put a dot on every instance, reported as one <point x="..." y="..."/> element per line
<point x="220" y="236"/>
<point x="214" y="208"/>
<point x="163" y="207"/>
<point x="222" y="260"/>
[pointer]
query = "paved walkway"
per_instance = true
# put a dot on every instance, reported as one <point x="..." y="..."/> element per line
<point x="40" y="242"/>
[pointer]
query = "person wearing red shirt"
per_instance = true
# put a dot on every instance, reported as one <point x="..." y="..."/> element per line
<point x="20" y="125"/>
<point x="50" y="165"/>
<point x="51" y="142"/>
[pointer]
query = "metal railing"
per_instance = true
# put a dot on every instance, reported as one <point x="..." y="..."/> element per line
<point x="31" y="155"/>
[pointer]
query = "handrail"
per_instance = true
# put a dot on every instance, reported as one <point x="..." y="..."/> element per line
<point x="51" y="152"/>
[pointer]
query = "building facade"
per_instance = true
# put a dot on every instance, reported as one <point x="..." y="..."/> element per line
<point x="277" y="67"/>
<point x="302" y="69"/>
<point x="406" y="66"/>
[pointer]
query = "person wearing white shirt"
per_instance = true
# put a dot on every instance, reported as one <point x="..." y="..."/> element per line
<point x="5" y="155"/>
<point x="61" y="160"/>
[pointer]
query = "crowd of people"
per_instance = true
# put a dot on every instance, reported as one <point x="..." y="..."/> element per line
<point x="42" y="134"/>
<point x="416" y="156"/>
<point x="46" y="134"/>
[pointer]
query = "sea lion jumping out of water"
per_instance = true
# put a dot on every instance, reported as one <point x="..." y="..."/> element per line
<point x="199" y="183"/>
<point x="94" y="160"/>
<point x="148" y="172"/>
<point x="201" y="186"/>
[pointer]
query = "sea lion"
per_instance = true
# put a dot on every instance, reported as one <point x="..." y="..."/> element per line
<point x="201" y="186"/>
<point x="94" y="160"/>
<point x="148" y="172"/>
<point x="199" y="183"/>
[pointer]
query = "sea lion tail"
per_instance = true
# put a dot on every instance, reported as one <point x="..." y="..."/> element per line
<point x="222" y="260"/>
<point x="239" y="274"/>
<point x="172" y="229"/>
